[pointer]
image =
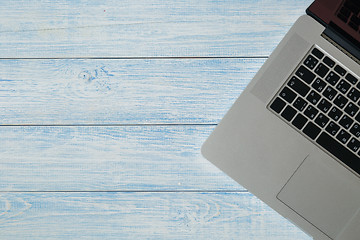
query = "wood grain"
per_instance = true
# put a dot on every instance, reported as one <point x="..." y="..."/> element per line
<point x="141" y="216"/>
<point x="131" y="158"/>
<point x="104" y="110"/>
<point x="151" y="91"/>
<point x="139" y="28"/>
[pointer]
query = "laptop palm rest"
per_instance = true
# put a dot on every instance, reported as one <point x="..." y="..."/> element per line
<point x="351" y="231"/>
<point x="325" y="194"/>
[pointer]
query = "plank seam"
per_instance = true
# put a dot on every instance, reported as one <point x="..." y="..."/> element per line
<point x="132" y="191"/>
<point x="111" y="125"/>
<point x="131" y="58"/>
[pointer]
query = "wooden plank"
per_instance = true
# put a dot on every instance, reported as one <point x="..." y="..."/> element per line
<point x="134" y="28"/>
<point x="151" y="91"/>
<point x="141" y="216"/>
<point x="132" y="158"/>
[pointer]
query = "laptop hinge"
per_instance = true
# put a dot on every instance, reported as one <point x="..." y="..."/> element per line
<point x="342" y="41"/>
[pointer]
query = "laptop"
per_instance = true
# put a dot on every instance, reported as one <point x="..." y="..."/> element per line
<point x="292" y="138"/>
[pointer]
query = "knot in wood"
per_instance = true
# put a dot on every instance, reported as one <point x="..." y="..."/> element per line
<point x="86" y="76"/>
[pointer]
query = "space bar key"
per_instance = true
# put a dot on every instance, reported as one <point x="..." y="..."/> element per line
<point x="339" y="151"/>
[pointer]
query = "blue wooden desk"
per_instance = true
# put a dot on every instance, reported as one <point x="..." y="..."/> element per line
<point x="104" y="107"/>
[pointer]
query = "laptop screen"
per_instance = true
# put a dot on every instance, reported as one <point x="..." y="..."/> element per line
<point x="342" y="14"/>
<point x="349" y="13"/>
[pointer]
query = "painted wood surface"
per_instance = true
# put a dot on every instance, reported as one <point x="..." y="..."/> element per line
<point x="129" y="158"/>
<point x="176" y="215"/>
<point x="141" y="28"/>
<point x="152" y="91"/>
<point x="105" y="104"/>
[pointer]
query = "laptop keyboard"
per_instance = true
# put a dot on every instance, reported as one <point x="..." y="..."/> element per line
<point x="350" y="13"/>
<point x="321" y="100"/>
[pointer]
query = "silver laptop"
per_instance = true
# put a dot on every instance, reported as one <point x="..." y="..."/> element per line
<point x="293" y="136"/>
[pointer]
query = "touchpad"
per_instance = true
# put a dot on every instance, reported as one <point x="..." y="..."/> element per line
<point x="323" y="192"/>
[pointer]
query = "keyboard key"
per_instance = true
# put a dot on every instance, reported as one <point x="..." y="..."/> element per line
<point x="288" y="113"/>
<point x="354" y="144"/>
<point x="343" y="136"/>
<point x="340" y="101"/>
<point x="329" y="93"/>
<point x="299" y="121"/>
<point x="313" y="97"/>
<point x="277" y="105"/>
<point x="332" y="78"/>
<point x="305" y="74"/>
<point x="300" y="104"/>
<point x="311" y="62"/>
<point x="340" y="70"/>
<point x="311" y="130"/>
<point x="324" y="105"/>
<point x="311" y="112"/>
<point x="321" y="70"/>
<point x="335" y="113"/>
<point x="321" y="120"/>
<point x="317" y="53"/>
<point x="354" y="94"/>
<point x="353" y="80"/>
<point x="299" y="87"/>
<point x="355" y="130"/>
<point x="319" y="85"/>
<point x="332" y="128"/>
<point x="351" y="109"/>
<point x="343" y="86"/>
<point x="357" y="118"/>
<point x="288" y="94"/>
<point x="339" y="151"/>
<point x="329" y="62"/>
<point x="346" y="121"/>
